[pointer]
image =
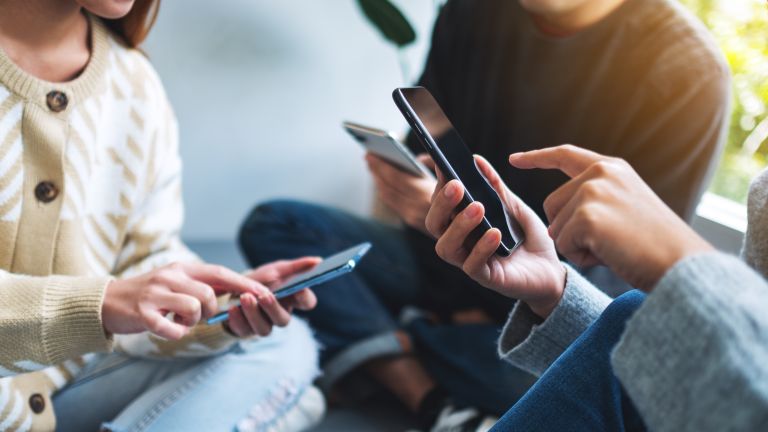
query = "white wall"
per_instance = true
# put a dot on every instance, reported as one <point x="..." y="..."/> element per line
<point x="260" y="88"/>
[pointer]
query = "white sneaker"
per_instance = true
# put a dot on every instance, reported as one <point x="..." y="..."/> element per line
<point x="452" y="419"/>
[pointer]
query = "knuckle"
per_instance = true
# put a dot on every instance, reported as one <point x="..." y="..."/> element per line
<point x="620" y="162"/>
<point x="562" y="244"/>
<point x="440" y="249"/>
<point x="468" y="268"/>
<point x="151" y="322"/>
<point x="210" y="296"/>
<point x="163" y="276"/>
<point x="190" y="307"/>
<point x="588" y="216"/>
<point x="147" y="294"/>
<point x="602" y="167"/>
<point x="172" y="269"/>
<point x="218" y="271"/>
<point x="591" y="189"/>
<point x="430" y="225"/>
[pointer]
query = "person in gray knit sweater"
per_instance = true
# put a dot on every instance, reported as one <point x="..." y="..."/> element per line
<point x="689" y="354"/>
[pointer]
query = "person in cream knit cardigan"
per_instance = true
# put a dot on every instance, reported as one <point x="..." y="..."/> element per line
<point x="91" y="259"/>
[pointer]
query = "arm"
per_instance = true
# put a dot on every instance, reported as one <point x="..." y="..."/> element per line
<point x="695" y="355"/>
<point x="47" y="320"/>
<point x="680" y="129"/>
<point x="533" y="344"/>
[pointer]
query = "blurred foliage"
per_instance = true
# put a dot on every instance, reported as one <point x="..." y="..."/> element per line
<point x="390" y="22"/>
<point x="741" y="29"/>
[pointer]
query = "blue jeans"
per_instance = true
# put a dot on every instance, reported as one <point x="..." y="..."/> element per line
<point x="123" y="393"/>
<point x="579" y="391"/>
<point x="357" y="315"/>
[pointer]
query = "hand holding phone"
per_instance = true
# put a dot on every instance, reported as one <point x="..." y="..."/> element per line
<point x="329" y="269"/>
<point x="384" y="145"/>
<point x="441" y="140"/>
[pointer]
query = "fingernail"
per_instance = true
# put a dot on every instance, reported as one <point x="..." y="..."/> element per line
<point x="452" y="190"/>
<point x="473" y="211"/>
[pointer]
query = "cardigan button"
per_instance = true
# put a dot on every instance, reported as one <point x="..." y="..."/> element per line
<point x="46" y="192"/>
<point x="37" y="403"/>
<point x="57" y="101"/>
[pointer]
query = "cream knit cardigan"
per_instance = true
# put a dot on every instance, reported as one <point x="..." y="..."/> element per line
<point x="112" y="155"/>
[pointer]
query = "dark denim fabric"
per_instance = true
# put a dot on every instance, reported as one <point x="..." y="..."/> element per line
<point x="357" y="314"/>
<point x="579" y="392"/>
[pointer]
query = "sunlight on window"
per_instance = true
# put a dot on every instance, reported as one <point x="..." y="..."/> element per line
<point x="741" y="29"/>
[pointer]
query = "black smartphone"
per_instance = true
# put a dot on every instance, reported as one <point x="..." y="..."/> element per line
<point x="329" y="269"/>
<point x="441" y="140"/>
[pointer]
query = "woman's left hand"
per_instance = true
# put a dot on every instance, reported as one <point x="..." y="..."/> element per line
<point x="532" y="274"/>
<point x="254" y="318"/>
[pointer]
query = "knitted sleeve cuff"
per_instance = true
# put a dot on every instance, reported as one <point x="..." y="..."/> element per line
<point x="533" y="344"/>
<point x="71" y="317"/>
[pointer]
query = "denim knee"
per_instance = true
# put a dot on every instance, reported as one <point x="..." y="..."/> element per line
<point x="273" y="212"/>
<point x="271" y="217"/>
<point x="621" y="309"/>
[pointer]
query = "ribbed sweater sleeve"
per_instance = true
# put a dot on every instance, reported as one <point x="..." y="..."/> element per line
<point x="695" y="355"/>
<point x="48" y="320"/>
<point x="533" y="344"/>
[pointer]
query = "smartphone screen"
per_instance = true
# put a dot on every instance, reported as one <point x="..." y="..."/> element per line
<point x="327" y="270"/>
<point x="341" y="262"/>
<point x="458" y="160"/>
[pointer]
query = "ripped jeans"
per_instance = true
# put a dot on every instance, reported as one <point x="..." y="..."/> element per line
<point x="260" y="380"/>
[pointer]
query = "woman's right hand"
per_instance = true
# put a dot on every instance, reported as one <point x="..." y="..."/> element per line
<point x="606" y="214"/>
<point x="188" y="291"/>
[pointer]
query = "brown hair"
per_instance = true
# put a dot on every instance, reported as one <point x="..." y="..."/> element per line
<point x="134" y="27"/>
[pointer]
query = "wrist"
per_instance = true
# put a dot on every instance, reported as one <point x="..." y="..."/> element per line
<point x="693" y="245"/>
<point x="107" y="308"/>
<point x="117" y="314"/>
<point x="544" y="305"/>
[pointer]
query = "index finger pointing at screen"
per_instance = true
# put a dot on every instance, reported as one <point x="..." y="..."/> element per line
<point x="568" y="158"/>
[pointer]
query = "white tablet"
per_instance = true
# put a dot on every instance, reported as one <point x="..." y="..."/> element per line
<point x="386" y="146"/>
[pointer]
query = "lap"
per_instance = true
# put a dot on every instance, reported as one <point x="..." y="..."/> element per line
<point x="579" y="390"/>
<point x="201" y="394"/>
<point x="464" y="360"/>
<point x="290" y="229"/>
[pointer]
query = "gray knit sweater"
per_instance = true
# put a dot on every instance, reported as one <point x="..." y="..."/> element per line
<point x="695" y="355"/>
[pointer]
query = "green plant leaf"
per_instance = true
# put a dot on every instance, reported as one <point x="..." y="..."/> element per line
<point x="389" y="20"/>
